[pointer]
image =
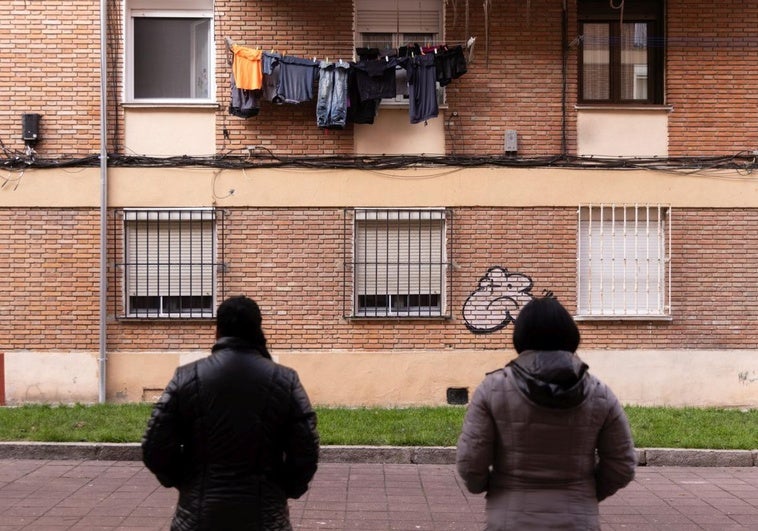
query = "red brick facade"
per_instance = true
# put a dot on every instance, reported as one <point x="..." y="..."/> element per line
<point x="292" y="259"/>
<point x="515" y="80"/>
<point x="50" y="263"/>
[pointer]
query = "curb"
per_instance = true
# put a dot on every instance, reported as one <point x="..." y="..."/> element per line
<point x="420" y="455"/>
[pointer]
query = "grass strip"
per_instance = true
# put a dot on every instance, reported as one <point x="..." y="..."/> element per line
<point x="652" y="427"/>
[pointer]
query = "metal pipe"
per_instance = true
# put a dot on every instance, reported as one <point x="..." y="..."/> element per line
<point x="102" y="353"/>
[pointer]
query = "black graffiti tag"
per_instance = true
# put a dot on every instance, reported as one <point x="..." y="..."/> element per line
<point x="497" y="300"/>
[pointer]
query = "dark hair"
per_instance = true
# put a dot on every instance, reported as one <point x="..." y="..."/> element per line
<point x="544" y="324"/>
<point x="240" y="317"/>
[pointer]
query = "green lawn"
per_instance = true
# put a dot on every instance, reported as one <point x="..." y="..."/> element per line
<point x="425" y="426"/>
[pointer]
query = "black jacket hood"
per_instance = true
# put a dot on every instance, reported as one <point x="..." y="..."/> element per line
<point x="555" y="378"/>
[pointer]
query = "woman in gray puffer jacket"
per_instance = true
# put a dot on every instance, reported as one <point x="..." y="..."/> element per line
<point x="542" y="437"/>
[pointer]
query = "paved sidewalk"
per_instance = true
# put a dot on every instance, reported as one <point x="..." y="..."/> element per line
<point x="86" y="495"/>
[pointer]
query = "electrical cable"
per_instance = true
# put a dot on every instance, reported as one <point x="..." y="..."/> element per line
<point x="743" y="161"/>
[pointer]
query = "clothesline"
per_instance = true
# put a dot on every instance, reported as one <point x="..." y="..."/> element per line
<point x="346" y="91"/>
<point x="352" y="43"/>
<point x="467" y="44"/>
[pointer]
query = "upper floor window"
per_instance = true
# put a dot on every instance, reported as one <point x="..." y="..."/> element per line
<point x="393" y="24"/>
<point x="621" y="59"/>
<point x="169" y="51"/>
<point x="399" y="263"/>
<point x="624" y="261"/>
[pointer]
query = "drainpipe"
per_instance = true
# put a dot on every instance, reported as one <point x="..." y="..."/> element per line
<point x="564" y="74"/>
<point x="103" y="354"/>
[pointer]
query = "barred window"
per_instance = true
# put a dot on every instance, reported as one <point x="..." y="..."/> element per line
<point x="170" y="263"/>
<point x="399" y="263"/>
<point x="624" y="261"/>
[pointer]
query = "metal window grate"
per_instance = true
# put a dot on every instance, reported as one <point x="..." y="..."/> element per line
<point x="169" y="262"/>
<point x="399" y="263"/>
<point x="623" y="259"/>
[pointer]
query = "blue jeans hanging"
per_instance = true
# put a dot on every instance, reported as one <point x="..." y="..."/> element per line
<point x="331" y="104"/>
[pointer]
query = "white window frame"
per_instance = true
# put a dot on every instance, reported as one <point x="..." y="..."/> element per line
<point x="158" y="258"/>
<point x="413" y="17"/>
<point x="156" y="11"/>
<point x="385" y="268"/>
<point x="623" y="262"/>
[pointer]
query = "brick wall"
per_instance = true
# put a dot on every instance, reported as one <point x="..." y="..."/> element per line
<point x="50" y="263"/>
<point x="291" y="261"/>
<point x="50" y="52"/>
<point x="515" y="80"/>
<point x="712" y="80"/>
<point x="309" y="29"/>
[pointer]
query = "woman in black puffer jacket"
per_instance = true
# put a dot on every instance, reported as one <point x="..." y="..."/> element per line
<point x="234" y="432"/>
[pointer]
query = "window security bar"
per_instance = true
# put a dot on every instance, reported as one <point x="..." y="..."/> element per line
<point x="623" y="260"/>
<point x="170" y="262"/>
<point x="400" y="263"/>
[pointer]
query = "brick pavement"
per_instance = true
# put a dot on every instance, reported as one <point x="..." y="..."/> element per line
<point x="87" y="495"/>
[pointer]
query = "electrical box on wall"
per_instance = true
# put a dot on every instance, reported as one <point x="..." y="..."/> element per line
<point x="511" y="142"/>
<point x="30" y="127"/>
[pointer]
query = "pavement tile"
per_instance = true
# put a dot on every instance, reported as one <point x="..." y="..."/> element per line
<point x="82" y="495"/>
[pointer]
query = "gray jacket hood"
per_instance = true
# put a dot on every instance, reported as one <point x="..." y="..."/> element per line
<point x="555" y="379"/>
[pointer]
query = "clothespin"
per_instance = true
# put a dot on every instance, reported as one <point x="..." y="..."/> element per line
<point x="229" y="44"/>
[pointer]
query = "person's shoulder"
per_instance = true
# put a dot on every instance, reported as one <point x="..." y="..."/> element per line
<point x="599" y="390"/>
<point x="495" y="378"/>
<point x="188" y="371"/>
<point x="285" y="373"/>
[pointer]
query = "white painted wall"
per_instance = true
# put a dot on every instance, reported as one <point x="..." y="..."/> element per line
<point x="393" y="134"/>
<point x="603" y="132"/>
<point x="55" y="377"/>
<point x="159" y="132"/>
<point x="676" y="378"/>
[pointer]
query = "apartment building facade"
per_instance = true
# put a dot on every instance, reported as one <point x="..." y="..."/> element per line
<point x="602" y="153"/>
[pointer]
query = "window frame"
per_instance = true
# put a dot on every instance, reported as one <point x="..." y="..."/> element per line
<point x="435" y="270"/>
<point x="130" y="58"/>
<point x="650" y="12"/>
<point x="398" y="33"/>
<point x="138" y="279"/>
<point x="626" y="245"/>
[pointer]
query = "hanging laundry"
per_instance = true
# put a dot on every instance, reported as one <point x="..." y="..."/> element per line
<point x="376" y="78"/>
<point x="331" y="104"/>
<point x="244" y="102"/>
<point x="359" y="111"/>
<point x="450" y="64"/>
<point x="367" y="53"/>
<point x="296" y="79"/>
<point x="270" y="69"/>
<point x="246" y="67"/>
<point x="422" y="85"/>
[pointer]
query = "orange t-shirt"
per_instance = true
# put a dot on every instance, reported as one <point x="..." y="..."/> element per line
<point x="246" y="67"/>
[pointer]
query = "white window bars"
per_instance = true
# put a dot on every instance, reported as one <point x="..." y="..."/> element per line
<point x="623" y="261"/>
